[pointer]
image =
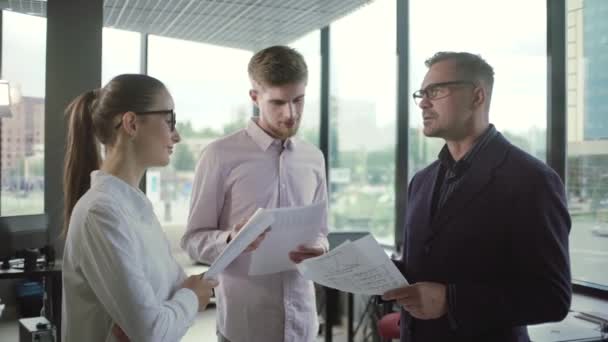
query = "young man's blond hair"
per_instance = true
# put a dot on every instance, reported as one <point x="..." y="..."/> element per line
<point x="276" y="66"/>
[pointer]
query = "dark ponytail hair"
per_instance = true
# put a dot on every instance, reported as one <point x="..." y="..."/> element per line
<point x="90" y="119"/>
<point x="82" y="151"/>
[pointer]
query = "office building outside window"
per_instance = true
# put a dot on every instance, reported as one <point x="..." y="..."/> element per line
<point x="310" y="47"/>
<point x="362" y="123"/>
<point x="210" y="88"/>
<point x="587" y="163"/>
<point x="517" y="53"/>
<point x="121" y="53"/>
<point x="22" y="114"/>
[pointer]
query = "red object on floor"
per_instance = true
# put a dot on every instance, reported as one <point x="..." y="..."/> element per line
<point x="388" y="326"/>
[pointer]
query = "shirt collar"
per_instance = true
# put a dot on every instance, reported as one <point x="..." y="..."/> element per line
<point x="263" y="140"/>
<point x="119" y="189"/>
<point x="446" y="159"/>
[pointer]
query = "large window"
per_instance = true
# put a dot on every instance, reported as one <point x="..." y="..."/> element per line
<point x="511" y="36"/>
<point x="22" y="122"/>
<point x="120" y="53"/>
<point x="310" y="47"/>
<point x="362" y="127"/>
<point x="587" y="163"/>
<point x="210" y="87"/>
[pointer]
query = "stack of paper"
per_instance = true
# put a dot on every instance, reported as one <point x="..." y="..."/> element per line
<point x="256" y="225"/>
<point x="358" y="267"/>
<point x="290" y="227"/>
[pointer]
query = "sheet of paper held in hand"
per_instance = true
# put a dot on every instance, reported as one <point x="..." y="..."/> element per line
<point x="257" y="223"/>
<point x="291" y="227"/>
<point x="360" y="267"/>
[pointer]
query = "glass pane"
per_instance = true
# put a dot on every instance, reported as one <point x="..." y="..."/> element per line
<point x="210" y="87"/>
<point x="22" y="140"/>
<point x="120" y="53"/>
<point x="516" y="52"/>
<point x="587" y="164"/>
<point x="310" y="47"/>
<point x="362" y="131"/>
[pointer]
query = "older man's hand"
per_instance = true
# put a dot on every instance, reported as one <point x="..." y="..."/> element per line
<point x="424" y="300"/>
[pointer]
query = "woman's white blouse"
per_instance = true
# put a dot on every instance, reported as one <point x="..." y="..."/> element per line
<point x="118" y="268"/>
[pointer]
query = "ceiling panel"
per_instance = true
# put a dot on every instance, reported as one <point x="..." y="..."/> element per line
<point x="243" y="24"/>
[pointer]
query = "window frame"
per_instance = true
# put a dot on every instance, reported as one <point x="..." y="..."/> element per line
<point x="556" y="105"/>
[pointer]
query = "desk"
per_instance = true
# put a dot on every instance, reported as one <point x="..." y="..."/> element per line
<point x="51" y="277"/>
<point x="570" y="329"/>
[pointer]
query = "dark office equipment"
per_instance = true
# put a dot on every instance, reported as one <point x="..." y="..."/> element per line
<point x="30" y="295"/>
<point x="50" y="277"/>
<point x="30" y="258"/>
<point x="20" y="233"/>
<point x="337" y="238"/>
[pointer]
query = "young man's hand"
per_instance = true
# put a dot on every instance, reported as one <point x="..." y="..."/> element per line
<point x="305" y="252"/>
<point x="255" y="244"/>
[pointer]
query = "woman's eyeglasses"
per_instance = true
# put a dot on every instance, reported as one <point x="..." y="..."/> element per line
<point x="171" y="121"/>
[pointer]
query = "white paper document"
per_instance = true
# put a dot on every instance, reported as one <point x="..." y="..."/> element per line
<point x="291" y="227"/>
<point x="257" y="223"/>
<point x="360" y="267"/>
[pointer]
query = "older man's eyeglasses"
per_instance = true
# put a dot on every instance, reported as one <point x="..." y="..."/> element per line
<point x="170" y="120"/>
<point x="436" y="91"/>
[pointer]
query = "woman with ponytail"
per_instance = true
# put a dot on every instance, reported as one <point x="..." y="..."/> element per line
<point x="120" y="280"/>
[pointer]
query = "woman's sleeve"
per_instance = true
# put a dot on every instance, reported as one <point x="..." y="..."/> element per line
<point x="114" y="271"/>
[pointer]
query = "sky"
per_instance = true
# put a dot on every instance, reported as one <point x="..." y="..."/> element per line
<point x="209" y="83"/>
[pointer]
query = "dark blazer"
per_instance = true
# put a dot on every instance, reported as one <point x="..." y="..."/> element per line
<point x="500" y="243"/>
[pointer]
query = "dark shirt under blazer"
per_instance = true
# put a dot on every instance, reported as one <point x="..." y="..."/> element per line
<point x="500" y="243"/>
<point x="451" y="172"/>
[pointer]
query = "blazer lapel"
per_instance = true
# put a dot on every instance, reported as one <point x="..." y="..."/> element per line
<point x="418" y="213"/>
<point x="427" y="204"/>
<point x="475" y="180"/>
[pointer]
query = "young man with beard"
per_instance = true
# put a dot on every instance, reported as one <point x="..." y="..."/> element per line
<point x="261" y="166"/>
